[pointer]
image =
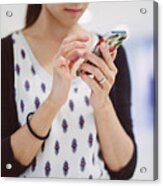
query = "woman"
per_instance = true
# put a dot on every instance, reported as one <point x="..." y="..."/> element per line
<point x="53" y="123"/>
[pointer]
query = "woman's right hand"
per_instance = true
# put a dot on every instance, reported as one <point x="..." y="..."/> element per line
<point x="71" y="49"/>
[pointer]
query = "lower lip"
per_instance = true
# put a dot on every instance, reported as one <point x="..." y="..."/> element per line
<point x="72" y="11"/>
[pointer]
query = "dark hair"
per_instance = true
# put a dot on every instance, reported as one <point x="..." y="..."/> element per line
<point x="33" y="12"/>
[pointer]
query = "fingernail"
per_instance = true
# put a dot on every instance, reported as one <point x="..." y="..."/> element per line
<point x="112" y="49"/>
<point x="81" y="55"/>
<point x="62" y="58"/>
<point x="84" y="44"/>
<point x="102" y="39"/>
<point x="103" y="44"/>
<point x="85" y="37"/>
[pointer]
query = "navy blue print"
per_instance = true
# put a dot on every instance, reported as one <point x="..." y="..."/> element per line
<point x="33" y="70"/>
<point x="86" y="99"/>
<point x="100" y="155"/>
<point x="75" y="90"/>
<point x="65" y="168"/>
<point x="27" y="85"/>
<point x="47" y="168"/>
<point x="101" y="173"/>
<point x="57" y="147"/>
<point x="33" y="164"/>
<point x="90" y="140"/>
<point x="22" y="105"/>
<point x="81" y="122"/>
<point x="74" y="145"/>
<point x="82" y="164"/>
<point x="64" y="125"/>
<point x="37" y="102"/>
<point x="93" y="159"/>
<point x="43" y="87"/>
<point x="17" y="68"/>
<point x="71" y="105"/>
<point x="43" y="146"/>
<point x="22" y="53"/>
<point x="90" y="176"/>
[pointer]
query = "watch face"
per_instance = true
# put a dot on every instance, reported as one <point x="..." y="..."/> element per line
<point x="88" y="73"/>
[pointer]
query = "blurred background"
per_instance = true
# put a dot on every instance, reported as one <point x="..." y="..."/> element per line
<point x="102" y="17"/>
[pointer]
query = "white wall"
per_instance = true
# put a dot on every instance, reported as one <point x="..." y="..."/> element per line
<point x="108" y="15"/>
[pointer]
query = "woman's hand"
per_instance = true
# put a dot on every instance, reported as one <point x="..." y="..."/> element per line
<point x="71" y="49"/>
<point x="116" y="145"/>
<point x="104" y="73"/>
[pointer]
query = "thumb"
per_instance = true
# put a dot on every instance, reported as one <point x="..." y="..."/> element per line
<point x="63" y="64"/>
<point x="61" y="61"/>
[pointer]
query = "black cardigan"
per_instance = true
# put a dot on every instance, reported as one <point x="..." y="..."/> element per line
<point x="120" y="96"/>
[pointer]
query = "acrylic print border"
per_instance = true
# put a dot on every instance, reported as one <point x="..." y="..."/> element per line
<point x="155" y="60"/>
<point x="155" y="90"/>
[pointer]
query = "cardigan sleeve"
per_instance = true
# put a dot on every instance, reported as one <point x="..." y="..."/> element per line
<point x="9" y="119"/>
<point x="121" y="99"/>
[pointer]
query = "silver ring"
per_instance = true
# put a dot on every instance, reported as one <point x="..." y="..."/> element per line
<point x="102" y="80"/>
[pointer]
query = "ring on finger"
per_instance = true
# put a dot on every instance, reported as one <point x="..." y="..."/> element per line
<point x="102" y="81"/>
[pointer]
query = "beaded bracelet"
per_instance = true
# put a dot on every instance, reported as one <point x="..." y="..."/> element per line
<point x="31" y="130"/>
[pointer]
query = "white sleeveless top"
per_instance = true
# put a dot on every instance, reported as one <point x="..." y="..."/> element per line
<point x="72" y="149"/>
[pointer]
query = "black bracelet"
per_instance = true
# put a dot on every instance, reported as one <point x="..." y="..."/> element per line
<point x="33" y="133"/>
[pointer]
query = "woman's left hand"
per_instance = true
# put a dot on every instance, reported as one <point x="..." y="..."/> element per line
<point x="104" y="73"/>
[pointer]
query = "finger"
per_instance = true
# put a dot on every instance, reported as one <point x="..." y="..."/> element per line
<point x="82" y="38"/>
<point x="70" y="46"/>
<point x="64" y="63"/>
<point x="105" y="85"/>
<point x="75" y="54"/>
<point x="98" y="75"/>
<point x="91" y="83"/>
<point x="114" y="54"/>
<point x="60" y="61"/>
<point x="93" y="70"/>
<point x="98" y="62"/>
<point x="107" y="56"/>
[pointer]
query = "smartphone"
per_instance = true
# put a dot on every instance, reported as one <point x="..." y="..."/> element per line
<point x="113" y="40"/>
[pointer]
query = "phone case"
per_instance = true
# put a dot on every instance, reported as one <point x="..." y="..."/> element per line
<point x="112" y="40"/>
<point x="68" y="115"/>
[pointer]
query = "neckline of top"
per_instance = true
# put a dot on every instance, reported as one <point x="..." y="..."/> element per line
<point x="41" y="71"/>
